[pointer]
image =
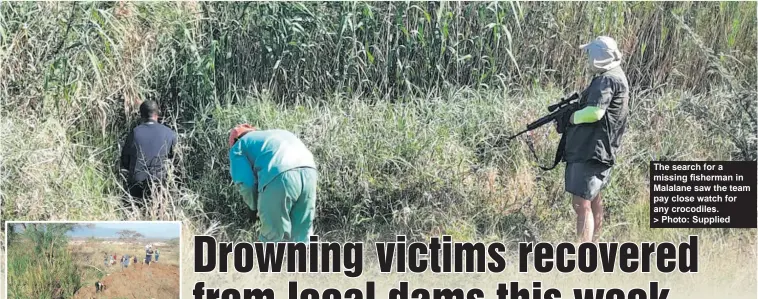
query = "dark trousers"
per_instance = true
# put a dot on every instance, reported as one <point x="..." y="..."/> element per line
<point x="141" y="192"/>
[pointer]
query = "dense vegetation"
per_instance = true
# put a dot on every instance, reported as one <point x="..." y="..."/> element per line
<point x="405" y="105"/>
<point x="40" y="263"/>
<point x="44" y="263"/>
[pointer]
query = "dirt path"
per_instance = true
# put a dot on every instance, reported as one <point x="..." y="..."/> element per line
<point x="137" y="281"/>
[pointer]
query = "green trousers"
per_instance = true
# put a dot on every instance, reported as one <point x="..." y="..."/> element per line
<point x="287" y="206"/>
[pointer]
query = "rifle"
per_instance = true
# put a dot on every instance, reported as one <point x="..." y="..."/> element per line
<point x="559" y="113"/>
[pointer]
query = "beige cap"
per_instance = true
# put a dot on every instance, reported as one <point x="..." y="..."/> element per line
<point x="603" y="53"/>
<point x="602" y="42"/>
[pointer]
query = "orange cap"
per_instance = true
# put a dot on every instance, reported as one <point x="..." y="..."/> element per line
<point x="238" y="131"/>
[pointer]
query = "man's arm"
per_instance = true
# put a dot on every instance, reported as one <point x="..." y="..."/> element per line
<point x="127" y="151"/>
<point x="589" y="114"/>
<point x="171" y="154"/>
<point x="599" y="97"/>
<point x="243" y="177"/>
<point x="249" y="196"/>
<point x="174" y="143"/>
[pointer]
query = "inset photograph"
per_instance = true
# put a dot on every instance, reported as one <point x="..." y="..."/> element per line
<point x="93" y="259"/>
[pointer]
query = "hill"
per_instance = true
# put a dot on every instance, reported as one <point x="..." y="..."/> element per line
<point x="137" y="281"/>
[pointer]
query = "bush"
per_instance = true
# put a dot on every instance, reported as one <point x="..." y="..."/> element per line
<point x="40" y="265"/>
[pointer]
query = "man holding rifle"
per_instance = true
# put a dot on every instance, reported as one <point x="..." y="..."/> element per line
<point x="593" y="135"/>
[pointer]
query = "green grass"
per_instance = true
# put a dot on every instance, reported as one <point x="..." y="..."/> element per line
<point x="40" y="265"/>
<point x="424" y="166"/>
<point x="405" y="105"/>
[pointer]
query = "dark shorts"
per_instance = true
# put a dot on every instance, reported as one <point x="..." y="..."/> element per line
<point x="586" y="179"/>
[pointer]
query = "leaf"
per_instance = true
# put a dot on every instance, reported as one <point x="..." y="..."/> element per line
<point x="517" y="13"/>
<point x="95" y="66"/>
<point x="513" y="59"/>
<point x="369" y="55"/>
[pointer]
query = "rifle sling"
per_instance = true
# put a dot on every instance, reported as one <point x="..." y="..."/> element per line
<point x="558" y="153"/>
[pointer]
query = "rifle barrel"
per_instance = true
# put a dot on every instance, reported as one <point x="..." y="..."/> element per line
<point x="519" y="134"/>
<point x="554" y="112"/>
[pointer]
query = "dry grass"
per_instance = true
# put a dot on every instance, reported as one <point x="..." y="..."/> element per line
<point x="89" y="256"/>
<point x="405" y="106"/>
<point x="725" y="271"/>
<point x="44" y="263"/>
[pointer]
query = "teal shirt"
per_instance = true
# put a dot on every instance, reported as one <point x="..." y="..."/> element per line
<point x="271" y="153"/>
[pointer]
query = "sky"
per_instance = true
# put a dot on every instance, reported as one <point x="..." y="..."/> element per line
<point x="153" y="230"/>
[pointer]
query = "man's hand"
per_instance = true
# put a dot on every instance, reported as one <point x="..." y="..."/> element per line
<point x="562" y="122"/>
<point x="252" y="216"/>
<point x="250" y="197"/>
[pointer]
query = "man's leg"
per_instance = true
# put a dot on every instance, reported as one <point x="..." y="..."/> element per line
<point x="275" y="204"/>
<point x="576" y="183"/>
<point x="140" y="192"/>
<point x="136" y="191"/>
<point x="147" y="195"/>
<point x="304" y="209"/>
<point x="597" y="212"/>
<point x="584" y="220"/>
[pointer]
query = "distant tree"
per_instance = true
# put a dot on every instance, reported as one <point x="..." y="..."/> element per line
<point x="129" y="236"/>
<point x="48" y="237"/>
<point x="126" y="235"/>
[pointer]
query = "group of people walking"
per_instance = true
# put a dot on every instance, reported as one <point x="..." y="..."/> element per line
<point x="110" y="260"/>
<point x="150" y="253"/>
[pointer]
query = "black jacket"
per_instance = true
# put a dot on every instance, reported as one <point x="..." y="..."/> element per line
<point x="146" y="151"/>
<point x="600" y="140"/>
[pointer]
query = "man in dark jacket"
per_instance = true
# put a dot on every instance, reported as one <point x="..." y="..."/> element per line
<point x="147" y="149"/>
<point x="594" y="135"/>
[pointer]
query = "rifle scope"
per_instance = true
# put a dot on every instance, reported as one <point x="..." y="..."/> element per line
<point x="563" y="102"/>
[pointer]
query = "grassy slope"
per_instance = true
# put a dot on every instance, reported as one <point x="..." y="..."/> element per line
<point x="91" y="255"/>
<point x="74" y="266"/>
<point x="442" y="158"/>
<point x="408" y="149"/>
<point x="41" y="266"/>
